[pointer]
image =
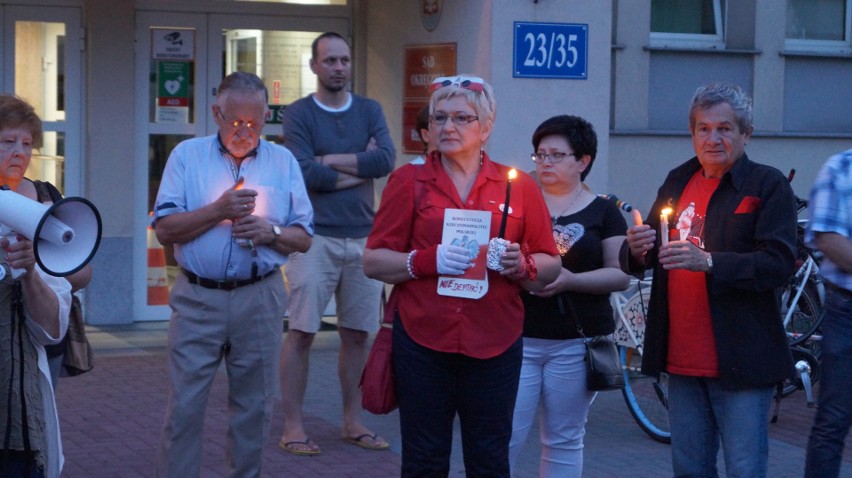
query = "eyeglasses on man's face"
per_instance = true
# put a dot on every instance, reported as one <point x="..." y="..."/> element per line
<point x="458" y="119"/>
<point x="236" y="125"/>
<point x="555" y="157"/>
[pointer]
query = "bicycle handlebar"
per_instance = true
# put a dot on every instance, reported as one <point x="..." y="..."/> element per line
<point x="624" y="206"/>
<point x="801" y="204"/>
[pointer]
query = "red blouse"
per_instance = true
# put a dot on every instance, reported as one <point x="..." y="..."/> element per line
<point x="480" y="328"/>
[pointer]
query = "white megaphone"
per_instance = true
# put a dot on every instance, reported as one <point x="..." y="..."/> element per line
<point x="65" y="235"/>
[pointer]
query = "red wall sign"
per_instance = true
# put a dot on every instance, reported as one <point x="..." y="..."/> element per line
<point x="423" y="63"/>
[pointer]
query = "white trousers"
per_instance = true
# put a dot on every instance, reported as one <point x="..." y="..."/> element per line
<point x="553" y="374"/>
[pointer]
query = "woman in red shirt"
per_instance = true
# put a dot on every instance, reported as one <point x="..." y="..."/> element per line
<point x="457" y="332"/>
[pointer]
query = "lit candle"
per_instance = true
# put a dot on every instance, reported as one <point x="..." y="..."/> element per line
<point x="240" y="240"/>
<point x="664" y="225"/>
<point x="512" y="175"/>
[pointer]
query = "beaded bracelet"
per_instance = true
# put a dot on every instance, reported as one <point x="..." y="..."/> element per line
<point x="526" y="266"/>
<point x="409" y="264"/>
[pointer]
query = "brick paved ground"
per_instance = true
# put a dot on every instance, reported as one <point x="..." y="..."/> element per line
<point x="111" y="419"/>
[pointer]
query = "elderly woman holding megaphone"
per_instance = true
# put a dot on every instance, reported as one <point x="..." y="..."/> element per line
<point x="34" y="309"/>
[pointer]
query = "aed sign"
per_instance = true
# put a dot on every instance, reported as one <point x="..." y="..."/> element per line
<point x="551" y="50"/>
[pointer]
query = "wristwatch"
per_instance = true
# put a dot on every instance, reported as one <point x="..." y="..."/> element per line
<point x="276" y="231"/>
<point x="709" y="262"/>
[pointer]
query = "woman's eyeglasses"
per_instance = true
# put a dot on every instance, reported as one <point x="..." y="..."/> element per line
<point x="458" y="119"/>
<point x="554" y="158"/>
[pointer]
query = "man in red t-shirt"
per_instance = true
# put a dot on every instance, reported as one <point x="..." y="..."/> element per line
<point x="714" y="323"/>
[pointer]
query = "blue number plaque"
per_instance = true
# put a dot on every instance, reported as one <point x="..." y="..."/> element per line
<point x="551" y="50"/>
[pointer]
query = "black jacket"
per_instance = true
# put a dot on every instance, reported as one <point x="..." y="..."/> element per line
<point x="753" y="255"/>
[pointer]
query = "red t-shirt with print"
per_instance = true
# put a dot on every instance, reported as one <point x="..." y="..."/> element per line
<point x="692" y="346"/>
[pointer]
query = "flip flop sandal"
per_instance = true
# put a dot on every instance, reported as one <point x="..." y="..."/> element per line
<point x="361" y="440"/>
<point x="294" y="447"/>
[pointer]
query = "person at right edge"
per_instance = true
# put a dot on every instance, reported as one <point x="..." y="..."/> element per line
<point x="829" y="230"/>
<point x="714" y="322"/>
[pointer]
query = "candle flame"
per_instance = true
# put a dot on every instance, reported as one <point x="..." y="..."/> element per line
<point x="239" y="183"/>
<point x="666" y="211"/>
<point x="512" y="174"/>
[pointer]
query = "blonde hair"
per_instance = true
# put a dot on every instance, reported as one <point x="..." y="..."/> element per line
<point x="483" y="102"/>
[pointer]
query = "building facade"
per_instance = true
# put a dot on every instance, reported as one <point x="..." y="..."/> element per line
<point x="120" y="82"/>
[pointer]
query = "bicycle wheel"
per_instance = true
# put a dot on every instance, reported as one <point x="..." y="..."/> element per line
<point x="646" y="397"/>
<point x="806" y="316"/>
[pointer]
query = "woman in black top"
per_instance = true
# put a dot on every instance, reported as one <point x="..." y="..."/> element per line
<point x="589" y="232"/>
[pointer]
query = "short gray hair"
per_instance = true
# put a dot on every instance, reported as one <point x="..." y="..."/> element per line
<point x="243" y="82"/>
<point x="708" y="96"/>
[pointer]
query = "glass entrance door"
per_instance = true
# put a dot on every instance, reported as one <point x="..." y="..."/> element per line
<point x="41" y="63"/>
<point x="182" y="59"/>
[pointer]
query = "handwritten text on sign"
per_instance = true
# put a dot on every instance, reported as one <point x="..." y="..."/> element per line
<point x="469" y="229"/>
<point x="551" y="50"/>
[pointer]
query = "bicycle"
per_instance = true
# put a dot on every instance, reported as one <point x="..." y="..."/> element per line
<point x="646" y="397"/>
<point x="801" y="308"/>
<point x="803" y="296"/>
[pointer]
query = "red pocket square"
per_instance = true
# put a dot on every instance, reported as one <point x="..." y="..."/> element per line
<point x="748" y="205"/>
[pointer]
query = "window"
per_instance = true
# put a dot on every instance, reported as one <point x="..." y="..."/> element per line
<point x="42" y="83"/>
<point x="819" y="25"/>
<point x="688" y="23"/>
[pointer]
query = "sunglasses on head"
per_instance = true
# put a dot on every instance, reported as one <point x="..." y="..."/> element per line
<point x="472" y="83"/>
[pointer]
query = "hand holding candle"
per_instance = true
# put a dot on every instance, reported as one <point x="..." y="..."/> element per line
<point x="497" y="245"/>
<point x="248" y="208"/>
<point x="664" y="225"/>
<point x="512" y="175"/>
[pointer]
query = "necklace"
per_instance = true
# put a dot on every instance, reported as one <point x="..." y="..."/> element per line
<point x="574" y="201"/>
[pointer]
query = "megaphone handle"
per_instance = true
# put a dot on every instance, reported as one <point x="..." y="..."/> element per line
<point x="16" y="273"/>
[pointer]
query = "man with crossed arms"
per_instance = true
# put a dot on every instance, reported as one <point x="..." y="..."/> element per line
<point x="342" y="143"/>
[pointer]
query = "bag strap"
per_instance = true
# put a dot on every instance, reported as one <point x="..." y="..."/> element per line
<point x="17" y="330"/>
<point x="385" y="322"/>
<point x="565" y="304"/>
<point x="47" y="191"/>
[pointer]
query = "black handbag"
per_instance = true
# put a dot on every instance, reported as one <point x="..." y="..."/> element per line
<point x="603" y="366"/>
